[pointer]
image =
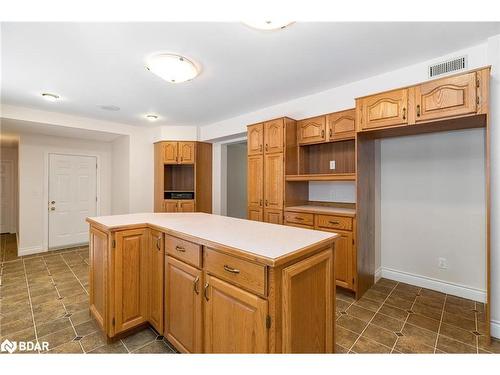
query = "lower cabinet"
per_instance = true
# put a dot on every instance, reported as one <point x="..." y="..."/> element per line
<point x="273" y="216"/>
<point x="255" y="214"/>
<point x="179" y="205"/>
<point x="131" y="279"/>
<point x="157" y="257"/>
<point x="344" y="260"/>
<point x="183" y="306"/>
<point x="235" y="320"/>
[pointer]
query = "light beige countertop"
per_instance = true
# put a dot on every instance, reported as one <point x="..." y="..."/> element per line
<point x="270" y="241"/>
<point x="323" y="210"/>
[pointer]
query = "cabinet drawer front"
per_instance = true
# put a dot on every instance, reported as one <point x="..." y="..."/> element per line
<point x="299" y="218"/>
<point x="184" y="250"/>
<point x="241" y="272"/>
<point x="333" y="222"/>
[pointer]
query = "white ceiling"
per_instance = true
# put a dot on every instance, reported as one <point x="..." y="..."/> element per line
<point x="92" y="64"/>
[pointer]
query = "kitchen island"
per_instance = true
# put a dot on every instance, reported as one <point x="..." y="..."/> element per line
<point x="214" y="284"/>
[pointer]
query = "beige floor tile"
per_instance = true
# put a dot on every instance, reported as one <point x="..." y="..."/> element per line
<point x="155" y="347"/>
<point x="360" y="313"/>
<point x="345" y="337"/>
<point x="387" y="322"/>
<point x="72" y="347"/>
<point x="364" y="345"/>
<point x="139" y="339"/>
<point x="423" y="322"/>
<point x="351" y="323"/>
<point x="448" y="345"/>
<point x="380" y="335"/>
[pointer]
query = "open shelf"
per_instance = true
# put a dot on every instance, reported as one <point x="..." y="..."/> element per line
<point x="322" y="177"/>
<point x="178" y="177"/>
<point x="315" y="159"/>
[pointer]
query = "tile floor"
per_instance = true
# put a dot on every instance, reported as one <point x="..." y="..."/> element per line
<point x="45" y="298"/>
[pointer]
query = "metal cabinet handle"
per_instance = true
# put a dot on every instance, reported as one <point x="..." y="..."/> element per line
<point x="330" y="133"/>
<point x="158" y="245"/>
<point x="404" y="113"/>
<point x="334" y="222"/>
<point x="195" y="285"/>
<point x="418" y="110"/>
<point x="260" y="147"/>
<point x="53" y="202"/>
<point x="267" y="147"/>
<point x="322" y="133"/>
<point x="299" y="218"/>
<point x="205" y="291"/>
<point x="260" y="204"/>
<point x="181" y="159"/>
<point x="231" y="269"/>
<point x="180" y="248"/>
<point x="266" y="202"/>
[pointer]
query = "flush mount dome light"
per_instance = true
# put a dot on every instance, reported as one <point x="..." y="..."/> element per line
<point x="152" y="117"/>
<point x="50" y="97"/>
<point x="268" y="25"/>
<point x="172" y="68"/>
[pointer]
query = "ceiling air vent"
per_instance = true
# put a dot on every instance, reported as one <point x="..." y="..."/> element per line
<point x="449" y="66"/>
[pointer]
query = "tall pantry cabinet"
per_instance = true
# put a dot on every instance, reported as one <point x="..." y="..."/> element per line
<point x="269" y="144"/>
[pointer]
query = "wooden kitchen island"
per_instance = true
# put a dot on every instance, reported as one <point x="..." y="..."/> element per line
<point x="214" y="284"/>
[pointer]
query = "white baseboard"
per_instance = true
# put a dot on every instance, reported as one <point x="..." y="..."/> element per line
<point x="435" y="284"/>
<point x="378" y="274"/>
<point x="30" y="250"/>
<point x="495" y="329"/>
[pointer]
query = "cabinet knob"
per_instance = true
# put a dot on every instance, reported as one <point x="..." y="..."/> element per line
<point x="205" y="291"/>
<point x="267" y="147"/>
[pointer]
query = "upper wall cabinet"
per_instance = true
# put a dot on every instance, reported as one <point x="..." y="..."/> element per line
<point x="453" y="96"/>
<point x="386" y="109"/>
<point x="178" y="152"/>
<point x="341" y="125"/>
<point x="255" y="139"/>
<point x="311" y="130"/>
<point x="273" y="136"/>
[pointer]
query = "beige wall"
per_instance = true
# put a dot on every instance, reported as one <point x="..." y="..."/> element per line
<point x="237" y="180"/>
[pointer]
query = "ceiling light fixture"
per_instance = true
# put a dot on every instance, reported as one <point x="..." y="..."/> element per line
<point x="172" y="68"/>
<point x="152" y="117"/>
<point x="50" y="97"/>
<point x="268" y="25"/>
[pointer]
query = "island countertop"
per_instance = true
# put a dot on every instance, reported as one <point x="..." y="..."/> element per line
<point x="271" y="243"/>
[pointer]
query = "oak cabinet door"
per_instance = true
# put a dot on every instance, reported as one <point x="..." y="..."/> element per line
<point x="170" y="205"/>
<point x="386" y="109"/>
<point x="255" y="213"/>
<point x="170" y="152"/>
<point x="273" y="136"/>
<point x="453" y="96"/>
<point x="308" y="305"/>
<point x="187" y="151"/>
<point x="344" y="260"/>
<point x="311" y="130"/>
<point x="157" y="261"/>
<point x="273" y="181"/>
<point x="341" y="125"/>
<point x="273" y="216"/>
<point x="255" y="182"/>
<point x="255" y="139"/>
<point x="98" y="288"/>
<point x="235" y="320"/>
<point x="183" y="306"/>
<point x="186" y="206"/>
<point x="131" y="279"/>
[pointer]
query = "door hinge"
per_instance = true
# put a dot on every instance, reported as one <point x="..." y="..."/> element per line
<point x="268" y="321"/>
<point x="113" y="321"/>
<point x="113" y="243"/>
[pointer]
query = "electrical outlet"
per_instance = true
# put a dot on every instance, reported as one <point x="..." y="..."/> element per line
<point x="443" y="263"/>
<point x="332" y="164"/>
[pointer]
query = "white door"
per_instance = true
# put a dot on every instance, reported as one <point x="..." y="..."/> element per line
<point x="72" y="198"/>
<point x="6" y="196"/>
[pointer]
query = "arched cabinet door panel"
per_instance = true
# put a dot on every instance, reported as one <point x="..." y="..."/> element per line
<point x="385" y="109"/>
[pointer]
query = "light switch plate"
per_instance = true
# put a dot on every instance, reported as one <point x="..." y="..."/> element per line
<point x="332" y="164"/>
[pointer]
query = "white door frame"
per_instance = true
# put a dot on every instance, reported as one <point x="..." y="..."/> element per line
<point x="12" y="195"/>
<point x="219" y="174"/>
<point x="46" y="190"/>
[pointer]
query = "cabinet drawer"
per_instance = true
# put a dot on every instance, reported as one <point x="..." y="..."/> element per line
<point x="299" y="218"/>
<point x="246" y="274"/>
<point x="184" y="250"/>
<point x="334" y="222"/>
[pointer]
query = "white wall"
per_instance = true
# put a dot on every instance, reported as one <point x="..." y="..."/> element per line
<point x="237" y="180"/>
<point x="433" y="205"/>
<point x="11" y="153"/>
<point x="120" y="174"/>
<point x="33" y="183"/>
<point x="338" y="191"/>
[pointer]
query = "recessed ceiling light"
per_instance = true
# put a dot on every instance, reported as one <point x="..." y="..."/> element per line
<point x="152" y="117"/>
<point x="50" y="97"/>
<point x="109" y="107"/>
<point x="268" y="25"/>
<point x="172" y="68"/>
